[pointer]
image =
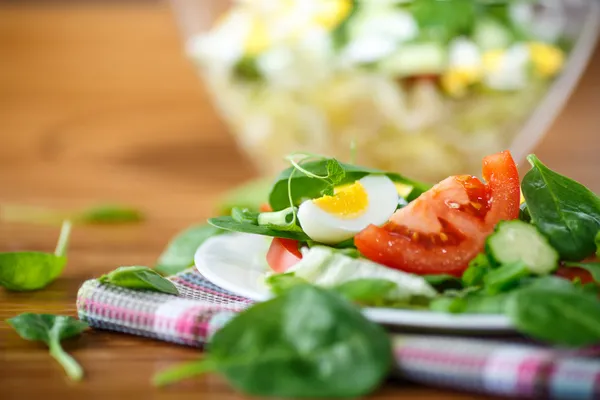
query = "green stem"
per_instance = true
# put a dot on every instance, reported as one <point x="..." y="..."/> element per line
<point x="71" y="367"/>
<point x="184" y="371"/>
<point x="63" y="239"/>
<point x="306" y="157"/>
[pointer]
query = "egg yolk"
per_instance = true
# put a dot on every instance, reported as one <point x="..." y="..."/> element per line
<point x="547" y="60"/>
<point x="258" y="39"/>
<point x="456" y="81"/>
<point x="348" y="202"/>
<point x="326" y="14"/>
<point x="332" y="12"/>
<point x="492" y="60"/>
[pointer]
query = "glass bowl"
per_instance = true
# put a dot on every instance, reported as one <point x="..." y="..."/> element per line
<point x="377" y="118"/>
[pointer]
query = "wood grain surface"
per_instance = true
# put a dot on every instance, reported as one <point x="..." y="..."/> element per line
<point x="98" y="103"/>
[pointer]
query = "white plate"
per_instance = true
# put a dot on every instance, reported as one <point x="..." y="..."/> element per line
<point x="227" y="262"/>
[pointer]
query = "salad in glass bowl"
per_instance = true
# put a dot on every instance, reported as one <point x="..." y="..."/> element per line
<point x="422" y="86"/>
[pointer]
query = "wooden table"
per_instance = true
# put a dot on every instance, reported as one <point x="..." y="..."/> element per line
<point x="98" y="103"/>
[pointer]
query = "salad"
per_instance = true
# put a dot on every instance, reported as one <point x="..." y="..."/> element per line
<point x="341" y="237"/>
<point x="464" y="245"/>
<point x="441" y="82"/>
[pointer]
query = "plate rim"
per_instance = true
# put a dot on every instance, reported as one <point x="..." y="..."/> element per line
<point x="388" y="316"/>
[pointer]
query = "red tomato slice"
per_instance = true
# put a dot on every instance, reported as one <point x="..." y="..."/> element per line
<point x="572" y="273"/>
<point x="283" y="254"/>
<point x="446" y="227"/>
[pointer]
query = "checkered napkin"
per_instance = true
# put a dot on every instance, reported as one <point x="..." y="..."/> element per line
<point x="485" y="366"/>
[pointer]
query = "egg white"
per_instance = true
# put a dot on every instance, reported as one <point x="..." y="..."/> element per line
<point x="511" y="73"/>
<point x="328" y="228"/>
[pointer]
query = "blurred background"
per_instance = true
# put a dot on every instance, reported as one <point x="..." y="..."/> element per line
<point x="166" y="105"/>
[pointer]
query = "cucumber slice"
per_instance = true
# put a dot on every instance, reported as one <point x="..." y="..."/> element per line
<point x="517" y="241"/>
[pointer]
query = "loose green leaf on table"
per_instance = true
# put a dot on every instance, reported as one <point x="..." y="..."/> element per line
<point x="564" y="210"/>
<point x="307" y="342"/>
<point x="304" y="186"/>
<point x="230" y="224"/>
<point x="139" y="278"/>
<point x="109" y="214"/>
<point x="101" y="214"/>
<point x="32" y="270"/>
<point x="179" y="253"/>
<point x="562" y="315"/>
<point x="51" y="329"/>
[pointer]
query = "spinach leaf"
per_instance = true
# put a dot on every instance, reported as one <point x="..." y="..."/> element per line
<point x="347" y="245"/>
<point x="308" y="342"/>
<point x="565" y="211"/>
<point x="597" y="242"/>
<point x="179" y="254"/>
<point x="524" y="213"/>
<point x="592" y="268"/>
<point x="339" y="35"/>
<point x="109" y="214"/>
<point x="559" y="315"/>
<point x="367" y="291"/>
<point x="505" y="277"/>
<point x="139" y="278"/>
<point x="101" y="214"/>
<point x="229" y="224"/>
<point x="51" y="329"/>
<point x="544" y="282"/>
<point x="305" y="187"/>
<point x="443" y="281"/>
<point x="247" y="69"/>
<point x="244" y="215"/>
<point x="471" y="303"/>
<point x="32" y="270"/>
<point x="279" y="283"/>
<point x="448" y="304"/>
<point x="478" y="268"/>
<point x="250" y="195"/>
<point x="443" y="20"/>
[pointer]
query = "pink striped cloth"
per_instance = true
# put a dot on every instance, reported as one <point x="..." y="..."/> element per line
<point x="506" y="368"/>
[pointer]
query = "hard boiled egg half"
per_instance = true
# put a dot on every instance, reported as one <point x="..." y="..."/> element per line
<point x="333" y="219"/>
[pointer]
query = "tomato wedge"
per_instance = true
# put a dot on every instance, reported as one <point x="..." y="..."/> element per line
<point x="446" y="227"/>
<point x="573" y="273"/>
<point x="265" y="207"/>
<point x="283" y="254"/>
